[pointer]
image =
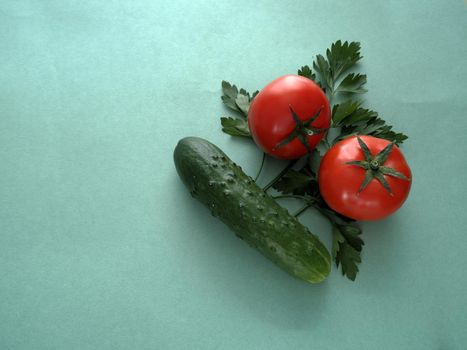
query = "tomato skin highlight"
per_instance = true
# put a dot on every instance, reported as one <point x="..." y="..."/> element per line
<point x="270" y="119"/>
<point x="339" y="183"/>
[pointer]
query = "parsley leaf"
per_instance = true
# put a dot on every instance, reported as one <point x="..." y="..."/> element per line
<point x="303" y="181"/>
<point x="243" y="103"/>
<point x="356" y="120"/>
<point x="353" y="83"/>
<point x="340" y="58"/>
<point x="235" y="126"/>
<point x="350" y="112"/>
<point x="346" y="248"/>
<point x="343" y="110"/>
<point x="293" y="182"/>
<point x="229" y="94"/>
<point x="306" y="72"/>
<point x="237" y="100"/>
<point x="321" y="66"/>
<point x="374" y="126"/>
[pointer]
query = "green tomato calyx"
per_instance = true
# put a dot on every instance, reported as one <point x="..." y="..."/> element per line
<point x="374" y="166"/>
<point x="302" y="130"/>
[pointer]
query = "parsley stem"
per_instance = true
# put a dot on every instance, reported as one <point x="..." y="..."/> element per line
<point x="331" y="95"/>
<point x="290" y="196"/>
<point x="309" y="199"/>
<point x="273" y="181"/>
<point x="302" y="209"/>
<point x="261" y="167"/>
<point x="326" y="141"/>
<point x="325" y="214"/>
<point x="310" y="202"/>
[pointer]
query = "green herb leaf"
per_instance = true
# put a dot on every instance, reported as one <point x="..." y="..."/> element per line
<point x="337" y="241"/>
<point x="359" y="115"/>
<point x="243" y="103"/>
<point x="343" y="110"/>
<point x="353" y="83"/>
<point x="374" y="126"/>
<point x="306" y="72"/>
<point x="321" y="66"/>
<point x="350" y="112"/>
<point x="293" y="182"/>
<point x="235" y="126"/>
<point x="342" y="56"/>
<point x="339" y="58"/>
<point x="230" y="93"/>
<point x="346" y="248"/>
<point x="237" y="100"/>
<point x="349" y="258"/>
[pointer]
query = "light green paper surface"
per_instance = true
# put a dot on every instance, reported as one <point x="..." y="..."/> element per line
<point x="101" y="246"/>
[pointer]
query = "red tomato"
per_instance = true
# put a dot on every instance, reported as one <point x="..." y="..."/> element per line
<point x="341" y="184"/>
<point x="271" y="116"/>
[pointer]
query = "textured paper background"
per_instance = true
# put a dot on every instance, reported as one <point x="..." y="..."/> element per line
<point x="101" y="247"/>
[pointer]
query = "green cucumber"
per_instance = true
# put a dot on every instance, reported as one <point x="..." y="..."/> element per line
<point x="254" y="216"/>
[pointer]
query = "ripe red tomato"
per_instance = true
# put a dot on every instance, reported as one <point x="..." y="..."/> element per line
<point x="279" y="114"/>
<point x="375" y="183"/>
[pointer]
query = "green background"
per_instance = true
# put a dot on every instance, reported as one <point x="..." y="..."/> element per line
<point x="101" y="247"/>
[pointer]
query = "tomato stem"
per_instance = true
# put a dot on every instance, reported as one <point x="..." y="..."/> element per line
<point x="374" y="165"/>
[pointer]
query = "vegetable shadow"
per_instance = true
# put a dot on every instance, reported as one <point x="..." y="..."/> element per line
<point x="379" y="272"/>
<point x="240" y="275"/>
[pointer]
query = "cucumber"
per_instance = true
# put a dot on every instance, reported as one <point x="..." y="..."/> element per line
<point x="254" y="216"/>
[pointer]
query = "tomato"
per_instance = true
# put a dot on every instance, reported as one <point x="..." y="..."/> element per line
<point x="289" y="117"/>
<point x="364" y="185"/>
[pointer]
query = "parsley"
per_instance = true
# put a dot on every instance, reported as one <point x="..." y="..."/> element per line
<point x="352" y="83"/>
<point x="306" y="72"/>
<point x="355" y="120"/>
<point x="349" y="113"/>
<point x="375" y="127"/>
<point x="339" y="59"/>
<point x="333" y="73"/>
<point x="235" y="126"/>
<point x="296" y="182"/>
<point x="346" y="248"/>
<point x="346" y="243"/>
<point x="238" y="101"/>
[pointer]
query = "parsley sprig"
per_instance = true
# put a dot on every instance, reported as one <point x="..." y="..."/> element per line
<point x="238" y="101"/>
<point x="346" y="243"/>
<point x="335" y="73"/>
